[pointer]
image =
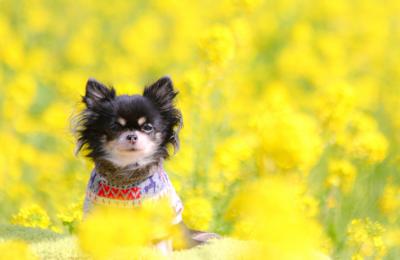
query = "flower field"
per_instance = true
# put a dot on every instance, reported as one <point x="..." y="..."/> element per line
<point x="291" y="111"/>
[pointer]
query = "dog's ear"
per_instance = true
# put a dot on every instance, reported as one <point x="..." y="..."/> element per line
<point x="97" y="92"/>
<point x="161" y="93"/>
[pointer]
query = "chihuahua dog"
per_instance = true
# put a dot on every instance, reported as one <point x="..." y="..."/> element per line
<point x="127" y="137"/>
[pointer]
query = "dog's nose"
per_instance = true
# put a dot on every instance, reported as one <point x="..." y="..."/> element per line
<point x="132" y="138"/>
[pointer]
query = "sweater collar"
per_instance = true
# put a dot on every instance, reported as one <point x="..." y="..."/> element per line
<point x="131" y="174"/>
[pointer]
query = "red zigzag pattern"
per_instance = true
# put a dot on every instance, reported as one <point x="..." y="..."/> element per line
<point x="109" y="192"/>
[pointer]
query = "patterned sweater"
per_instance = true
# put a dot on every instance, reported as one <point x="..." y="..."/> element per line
<point x="153" y="187"/>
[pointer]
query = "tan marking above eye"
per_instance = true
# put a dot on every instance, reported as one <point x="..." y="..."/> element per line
<point x="141" y="120"/>
<point x="121" y="121"/>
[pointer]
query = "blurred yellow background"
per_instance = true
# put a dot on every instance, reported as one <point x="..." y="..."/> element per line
<point x="291" y="111"/>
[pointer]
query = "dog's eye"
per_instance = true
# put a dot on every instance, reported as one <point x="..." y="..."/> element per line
<point x="116" y="126"/>
<point x="147" y="128"/>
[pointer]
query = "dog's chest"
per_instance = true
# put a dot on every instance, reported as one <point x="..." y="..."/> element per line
<point x="154" y="187"/>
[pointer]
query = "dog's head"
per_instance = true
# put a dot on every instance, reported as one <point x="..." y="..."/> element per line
<point x="127" y="130"/>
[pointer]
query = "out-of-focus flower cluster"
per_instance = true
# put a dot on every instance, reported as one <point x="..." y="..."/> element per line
<point x="270" y="211"/>
<point x="291" y="116"/>
<point x="366" y="239"/>
<point x="119" y="233"/>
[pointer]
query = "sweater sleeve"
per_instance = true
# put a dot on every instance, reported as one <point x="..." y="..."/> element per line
<point x="176" y="205"/>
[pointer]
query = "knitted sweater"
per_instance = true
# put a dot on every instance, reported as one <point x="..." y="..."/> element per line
<point x="157" y="185"/>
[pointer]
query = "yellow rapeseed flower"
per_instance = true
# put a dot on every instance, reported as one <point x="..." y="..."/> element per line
<point x="218" y="45"/>
<point x="365" y="238"/>
<point x="341" y="174"/>
<point x="390" y="201"/>
<point x="198" y="213"/>
<point x="363" y="139"/>
<point x="71" y="216"/>
<point x="32" y="215"/>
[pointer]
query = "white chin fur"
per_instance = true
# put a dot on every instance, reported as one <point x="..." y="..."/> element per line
<point x="126" y="158"/>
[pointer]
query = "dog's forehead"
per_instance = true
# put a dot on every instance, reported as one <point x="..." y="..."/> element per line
<point x="135" y="109"/>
